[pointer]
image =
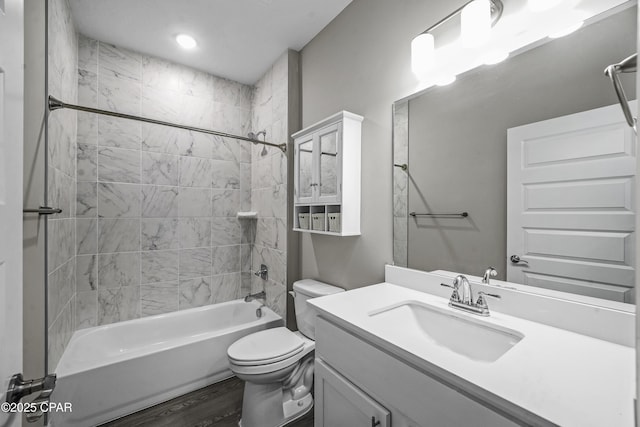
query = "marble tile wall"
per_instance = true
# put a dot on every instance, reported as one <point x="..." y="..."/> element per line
<point x="61" y="184"/>
<point x="400" y="183"/>
<point x="269" y="183"/>
<point x="156" y="206"/>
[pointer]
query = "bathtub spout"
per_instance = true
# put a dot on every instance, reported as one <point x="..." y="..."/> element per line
<point x="260" y="295"/>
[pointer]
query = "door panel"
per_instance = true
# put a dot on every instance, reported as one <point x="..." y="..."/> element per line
<point x="304" y="170"/>
<point x="11" y="144"/>
<point x="328" y="171"/>
<point x="571" y="204"/>
<point x="340" y="403"/>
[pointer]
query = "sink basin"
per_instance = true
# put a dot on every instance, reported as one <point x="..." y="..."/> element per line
<point x="472" y="338"/>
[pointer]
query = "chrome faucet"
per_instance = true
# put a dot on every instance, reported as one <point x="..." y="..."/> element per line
<point x="488" y="274"/>
<point x="466" y="297"/>
<point x="260" y="295"/>
<point x="462" y="297"/>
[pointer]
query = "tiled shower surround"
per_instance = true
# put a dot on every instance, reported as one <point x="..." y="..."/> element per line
<point x="400" y="183"/>
<point x="155" y="213"/>
<point x="269" y="180"/>
<point x="61" y="180"/>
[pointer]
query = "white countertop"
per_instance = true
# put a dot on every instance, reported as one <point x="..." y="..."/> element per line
<point x="564" y="377"/>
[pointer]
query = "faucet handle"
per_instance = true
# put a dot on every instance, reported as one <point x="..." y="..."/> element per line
<point x="455" y="297"/>
<point x="481" y="300"/>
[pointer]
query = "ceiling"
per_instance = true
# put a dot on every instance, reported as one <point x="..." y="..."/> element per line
<point x="237" y="39"/>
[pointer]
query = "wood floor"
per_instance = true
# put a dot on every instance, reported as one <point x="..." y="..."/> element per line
<point x="218" y="405"/>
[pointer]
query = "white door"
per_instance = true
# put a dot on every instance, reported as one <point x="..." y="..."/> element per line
<point x="11" y="143"/>
<point x="571" y="204"/>
<point x="340" y="403"/>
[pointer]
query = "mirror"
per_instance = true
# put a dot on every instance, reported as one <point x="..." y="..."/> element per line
<point x="469" y="148"/>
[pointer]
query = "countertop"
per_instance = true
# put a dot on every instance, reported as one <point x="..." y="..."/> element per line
<point x="563" y="377"/>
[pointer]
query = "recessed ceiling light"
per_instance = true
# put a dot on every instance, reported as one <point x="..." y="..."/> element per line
<point x="186" y="41"/>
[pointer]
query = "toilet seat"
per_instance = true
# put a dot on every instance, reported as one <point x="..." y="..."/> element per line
<point x="265" y="347"/>
<point x="283" y="362"/>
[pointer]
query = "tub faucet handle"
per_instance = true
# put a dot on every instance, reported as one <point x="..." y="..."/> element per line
<point x="263" y="273"/>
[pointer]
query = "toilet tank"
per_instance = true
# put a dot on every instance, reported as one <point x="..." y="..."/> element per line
<point x="304" y="290"/>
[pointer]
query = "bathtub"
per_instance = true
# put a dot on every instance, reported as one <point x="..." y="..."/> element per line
<point x="110" y="371"/>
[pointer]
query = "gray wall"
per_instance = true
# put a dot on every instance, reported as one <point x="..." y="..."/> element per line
<point x="458" y="139"/>
<point x="361" y="63"/>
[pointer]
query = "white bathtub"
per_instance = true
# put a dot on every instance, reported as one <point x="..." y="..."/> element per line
<point x="110" y="371"/>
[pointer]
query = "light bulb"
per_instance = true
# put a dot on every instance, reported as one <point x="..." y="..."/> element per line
<point x="476" y="23"/>
<point x="540" y="5"/>
<point x="422" y="54"/>
<point x="186" y="41"/>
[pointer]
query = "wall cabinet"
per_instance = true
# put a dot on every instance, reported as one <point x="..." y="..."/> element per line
<point x="327" y="176"/>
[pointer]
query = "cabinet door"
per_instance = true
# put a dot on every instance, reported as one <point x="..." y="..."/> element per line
<point x="329" y="179"/>
<point x="340" y="403"/>
<point x="305" y="184"/>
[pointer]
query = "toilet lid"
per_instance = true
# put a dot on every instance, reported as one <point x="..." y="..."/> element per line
<point x="269" y="346"/>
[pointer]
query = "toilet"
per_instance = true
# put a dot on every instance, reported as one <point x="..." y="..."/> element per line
<point x="277" y="364"/>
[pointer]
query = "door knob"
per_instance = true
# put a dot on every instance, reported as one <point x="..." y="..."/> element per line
<point x="515" y="259"/>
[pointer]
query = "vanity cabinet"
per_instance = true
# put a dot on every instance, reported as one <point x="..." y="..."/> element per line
<point x="340" y="403"/>
<point x="327" y="176"/>
<point x="412" y="397"/>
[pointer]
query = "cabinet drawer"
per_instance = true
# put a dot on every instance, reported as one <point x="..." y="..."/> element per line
<point x="397" y="385"/>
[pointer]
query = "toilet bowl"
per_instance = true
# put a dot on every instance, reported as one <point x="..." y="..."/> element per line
<point x="277" y="364"/>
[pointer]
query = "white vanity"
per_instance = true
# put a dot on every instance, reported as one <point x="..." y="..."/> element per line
<point x="396" y="354"/>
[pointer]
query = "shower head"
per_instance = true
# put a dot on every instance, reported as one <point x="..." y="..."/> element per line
<point x="256" y="135"/>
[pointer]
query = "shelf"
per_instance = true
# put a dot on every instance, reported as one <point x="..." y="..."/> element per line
<point x="247" y="215"/>
<point x="326" y="233"/>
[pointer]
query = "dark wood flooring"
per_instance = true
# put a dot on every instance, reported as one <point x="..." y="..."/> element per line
<point x="218" y="405"/>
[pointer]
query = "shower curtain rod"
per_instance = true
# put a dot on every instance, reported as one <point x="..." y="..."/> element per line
<point x="56" y="104"/>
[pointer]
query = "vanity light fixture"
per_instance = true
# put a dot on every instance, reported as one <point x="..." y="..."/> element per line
<point x="422" y="54"/>
<point x="475" y="23"/>
<point x="186" y="41"/>
<point x="478" y="16"/>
